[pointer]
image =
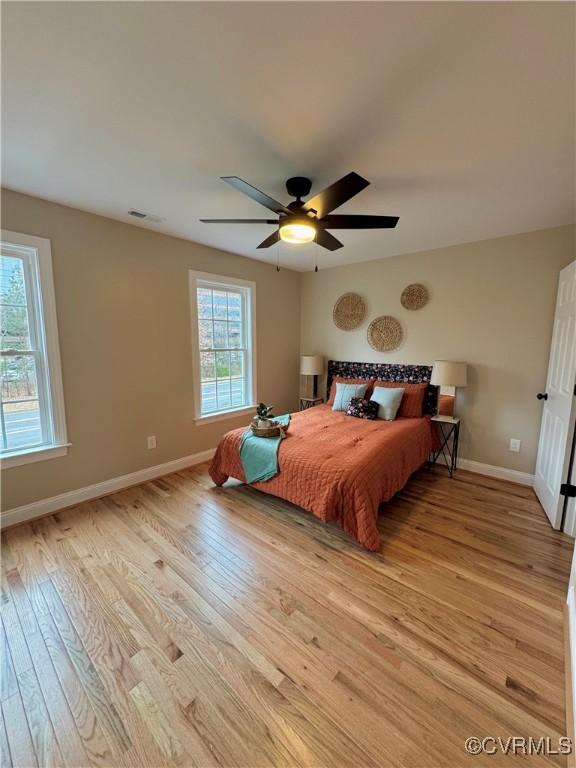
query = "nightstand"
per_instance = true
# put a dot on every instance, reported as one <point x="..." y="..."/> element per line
<point x="310" y="402"/>
<point x="449" y="434"/>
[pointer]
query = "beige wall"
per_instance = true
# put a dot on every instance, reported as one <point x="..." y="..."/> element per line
<point x="124" y="326"/>
<point x="491" y="305"/>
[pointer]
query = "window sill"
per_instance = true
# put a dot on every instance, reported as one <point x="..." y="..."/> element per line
<point x="221" y="415"/>
<point x="32" y="455"/>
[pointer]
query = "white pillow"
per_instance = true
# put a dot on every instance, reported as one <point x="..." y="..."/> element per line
<point x="388" y="399"/>
<point x="345" y="393"/>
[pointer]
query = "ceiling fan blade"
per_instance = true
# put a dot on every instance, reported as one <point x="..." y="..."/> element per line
<point x="270" y="240"/>
<point x="326" y="240"/>
<point x="239" y="221"/>
<point x="334" y="221"/>
<point x="336" y="194"/>
<point x="255" y="194"/>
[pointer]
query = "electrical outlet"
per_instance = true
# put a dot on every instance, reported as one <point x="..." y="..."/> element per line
<point x="152" y="441"/>
<point x="514" y="445"/>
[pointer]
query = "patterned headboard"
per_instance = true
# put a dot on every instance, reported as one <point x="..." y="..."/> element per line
<point x="413" y="374"/>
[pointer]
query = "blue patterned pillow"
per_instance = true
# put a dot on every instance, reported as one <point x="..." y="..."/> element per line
<point x="363" y="409"/>
<point x="345" y="393"/>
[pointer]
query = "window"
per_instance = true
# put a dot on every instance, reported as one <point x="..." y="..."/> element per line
<point x="223" y="333"/>
<point x="32" y="425"/>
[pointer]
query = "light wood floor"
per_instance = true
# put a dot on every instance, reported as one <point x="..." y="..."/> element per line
<point x="179" y="624"/>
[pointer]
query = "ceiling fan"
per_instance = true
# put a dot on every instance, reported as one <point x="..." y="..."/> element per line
<point x="304" y="221"/>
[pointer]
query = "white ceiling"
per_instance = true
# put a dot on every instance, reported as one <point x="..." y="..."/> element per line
<point x="460" y="114"/>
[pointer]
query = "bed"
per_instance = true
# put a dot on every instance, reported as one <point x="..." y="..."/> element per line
<point x="338" y="467"/>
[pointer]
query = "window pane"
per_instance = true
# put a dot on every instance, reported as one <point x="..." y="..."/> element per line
<point x="235" y="335"/>
<point x="223" y="392"/>
<point x="222" y="365"/>
<point x="15" y="333"/>
<point x="205" y="334"/>
<point x="234" y="306"/>
<point x="207" y="366"/>
<point x="237" y="387"/>
<point x="20" y="405"/>
<point x="204" y="302"/>
<point x="236" y="364"/>
<point x="220" y="334"/>
<point x="18" y="378"/>
<point x="220" y="304"/>
<point x="22" y="424"/>
<point x="209" y="397"/>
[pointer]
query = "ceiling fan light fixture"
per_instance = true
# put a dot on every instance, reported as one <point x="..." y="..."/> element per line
<point x="297" y="231"/>
<point x="302" y="222"/>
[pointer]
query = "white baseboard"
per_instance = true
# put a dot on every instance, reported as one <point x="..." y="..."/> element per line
<point x="502" y="473"/>
<point x="71" y="498"/>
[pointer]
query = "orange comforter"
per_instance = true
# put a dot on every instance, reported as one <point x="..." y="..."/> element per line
<point x="336" y="466"/>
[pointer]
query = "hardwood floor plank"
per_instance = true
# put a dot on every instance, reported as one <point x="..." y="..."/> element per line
<point x="176" y="624"/>
<point x="5" y="756"/>
<point x="63" y="724"/>
<point x="158" y="724"/>
<point x="22" y="753"/>
<point x="425" y="626"/>
<point x="20" y="656"/>
<point x="258" y="688"/>
<point x="87" y="724"/>
<point x="44" y="739"/>
<point x="169" y="688"/>
<point x="503" y="681"/>
<point x="425" y="593"/>
<point x="100" y="700"/>
<point x="8" y="682"/>
<point x="142" y="582"/>
<point x="87" y="609"/>
<point x="230" y="603"/>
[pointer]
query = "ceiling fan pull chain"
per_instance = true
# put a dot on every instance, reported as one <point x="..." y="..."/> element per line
<point x="315" y="256"/>
<point x="277" y="256"/>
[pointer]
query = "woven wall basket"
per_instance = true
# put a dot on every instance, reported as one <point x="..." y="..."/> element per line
<point x="349" y="311"/>
<point x="414" y="296"/>
<point x="385" y="334"/>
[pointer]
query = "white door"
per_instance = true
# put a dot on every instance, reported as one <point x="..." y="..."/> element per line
<point x="559" y="412"/>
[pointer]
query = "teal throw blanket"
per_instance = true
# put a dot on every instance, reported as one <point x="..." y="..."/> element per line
<point x="259" y="455"/>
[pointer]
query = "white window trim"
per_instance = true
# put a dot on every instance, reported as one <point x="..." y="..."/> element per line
<point x="32" y="455"/>
<point x="49" y="326"/>
<point x="230" y="282"/>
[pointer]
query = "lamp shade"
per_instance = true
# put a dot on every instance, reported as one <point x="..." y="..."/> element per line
<point x="445" y="373"/>
<point x="311" y="365"/>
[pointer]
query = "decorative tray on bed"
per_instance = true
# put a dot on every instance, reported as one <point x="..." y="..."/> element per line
<point x="273" y="429"/>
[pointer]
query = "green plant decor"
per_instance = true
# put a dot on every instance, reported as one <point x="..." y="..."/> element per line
<point x="264" y="412"/>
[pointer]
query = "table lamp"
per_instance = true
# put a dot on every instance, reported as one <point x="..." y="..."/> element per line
<point x="312" y="365"/>
<point x="446" y="373"/>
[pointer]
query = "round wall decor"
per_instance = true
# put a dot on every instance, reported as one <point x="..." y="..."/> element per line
<point x="349" y="311"/>
<point x="385" y="334"/>
<point x="414" y="296"/>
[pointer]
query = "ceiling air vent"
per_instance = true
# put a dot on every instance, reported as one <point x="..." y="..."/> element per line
<point x="143" y="215"/>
